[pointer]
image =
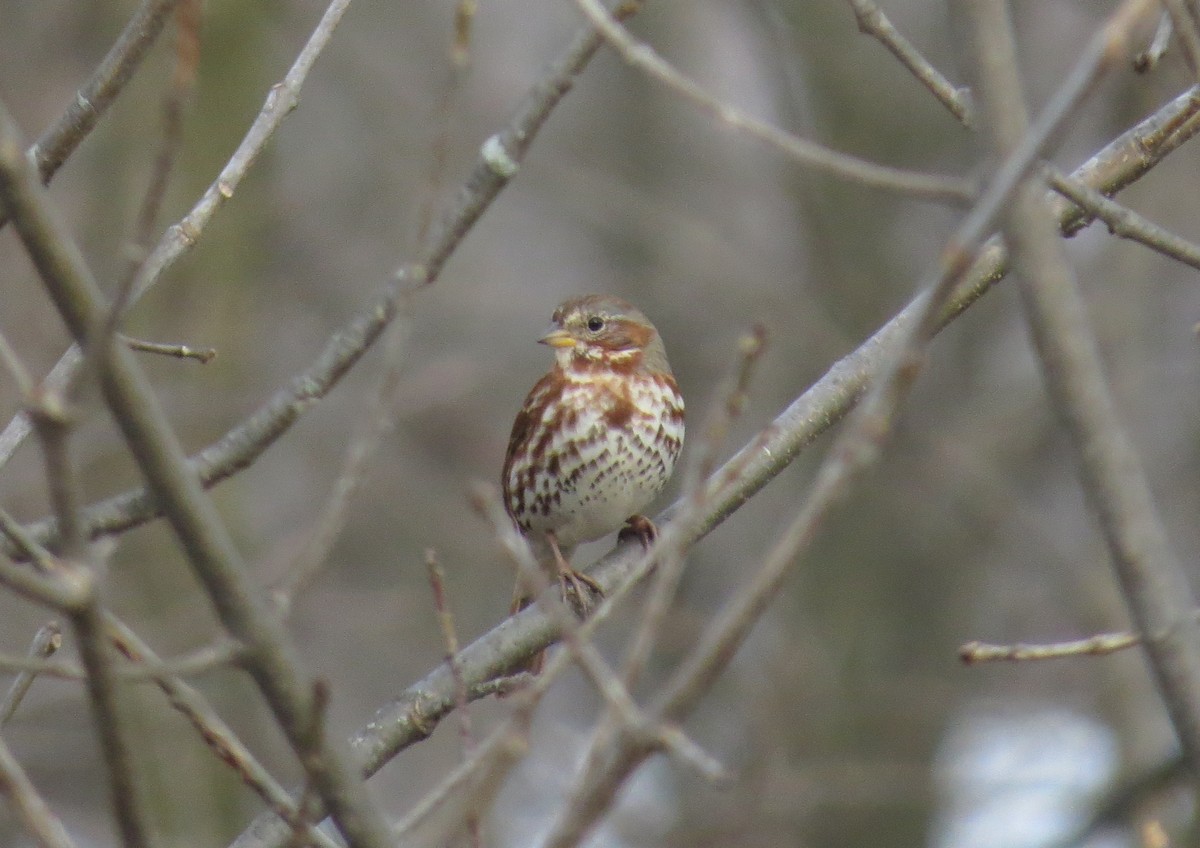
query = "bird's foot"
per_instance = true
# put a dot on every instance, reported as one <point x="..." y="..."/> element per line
<point x="580" y="592"/>
<point x="638" y="527"/>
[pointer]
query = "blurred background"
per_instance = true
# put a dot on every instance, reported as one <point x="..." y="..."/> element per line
<point x="847" y="717"/>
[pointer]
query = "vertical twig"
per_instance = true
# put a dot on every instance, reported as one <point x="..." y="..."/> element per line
<point x="187" y="58"/>
<point x="437" y="583"/>
<point x="447" y="111"/>
<point x="50" y="422"/>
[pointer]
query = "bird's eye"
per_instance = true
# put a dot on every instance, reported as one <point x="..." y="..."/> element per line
<point x="595" y="324"/>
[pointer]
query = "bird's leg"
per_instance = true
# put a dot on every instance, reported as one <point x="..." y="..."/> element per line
<point x="573" y="582"/>
<point x="639" y="527"/>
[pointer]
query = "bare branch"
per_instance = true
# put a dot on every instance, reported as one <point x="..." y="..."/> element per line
<point x="873" y="22"/>
<point x="501" y="155"/>
<point x="1123" y="221"/>
<point x="203" y="355"/>
<point x="187" y="57"/>
<point x="729" y="406"/>
<point x="281" y="100"/>
<point x="217" y="735"/>
<point x="376" y="421"/>
<point x="414" y="715"/>
<point x="1152" y="579"/>
<point x="437" y="582"/>
<point x="805" y="153"/>
<point x="98" y="93"/>
<point x="52" y="426"/>
<point x="270" y="657"/>
<point x="447" y="112"/>
<point x="111" y="728"/>
<point x="46" y="643"/>
<point x="33" y="811"/>
<point x="1102" y="644"/>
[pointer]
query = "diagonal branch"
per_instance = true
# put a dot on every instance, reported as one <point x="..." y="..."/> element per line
<point x="180" y="237"/>
<point x="1155" y="586"/>
<point x="873" y="22"/>
<point x="414" y="715"/>
<point x="101" y="89"/>
<point x="270" y="657"/>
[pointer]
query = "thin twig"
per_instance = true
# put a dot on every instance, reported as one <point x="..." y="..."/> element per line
<point x="16" y="368"/>
<point x="203" y="355"/>
<point x="447" y="112"/>
<point x="187" y="58"/>
<point x="32" y="810"/>
<point x="437" y="582"/>
<point x="46" y="643"/>
<point x="441" y="605"/>
<point x="856" y="448"/>
<point x="1149" y="58"/>
<point x="805" y="153"/>
<point x="629" y="717"/>
<point x="725" y="411"/>
<point x="873" y="22"/>
<point x="101" y="89"/>
<point x="377" y="419"/>
<point x="125" y="790"/>
<point x="1123" y="221"/>
<point x="1102" y="644"/>
<point x="191" y="664"/>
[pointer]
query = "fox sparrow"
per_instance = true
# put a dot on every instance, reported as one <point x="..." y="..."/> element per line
<point x="596" y="438"/>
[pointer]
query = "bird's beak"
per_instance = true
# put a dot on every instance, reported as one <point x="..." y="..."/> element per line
<point x="558" y="338"/>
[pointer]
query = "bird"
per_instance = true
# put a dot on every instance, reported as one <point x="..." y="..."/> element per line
<point x="596" y="439"/>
